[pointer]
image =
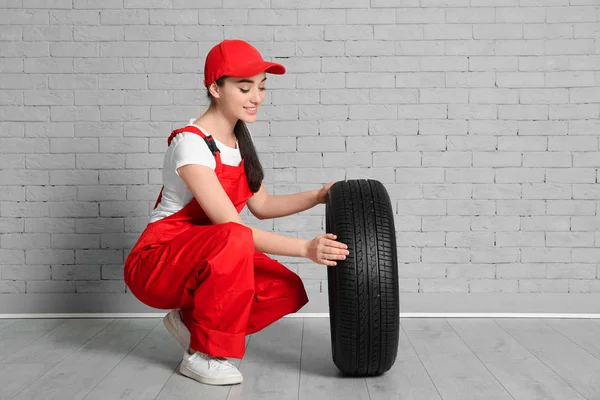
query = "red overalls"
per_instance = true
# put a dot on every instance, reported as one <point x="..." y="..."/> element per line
<point x="225" y="288"/>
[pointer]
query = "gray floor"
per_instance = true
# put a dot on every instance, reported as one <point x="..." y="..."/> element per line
<point x="446" y="359"/>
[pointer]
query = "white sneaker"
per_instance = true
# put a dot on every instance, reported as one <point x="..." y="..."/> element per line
<point x="209" y="370"/>
<point x="177" y="328"/>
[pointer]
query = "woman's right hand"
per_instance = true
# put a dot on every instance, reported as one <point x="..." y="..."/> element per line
<point x="324" y="249"/>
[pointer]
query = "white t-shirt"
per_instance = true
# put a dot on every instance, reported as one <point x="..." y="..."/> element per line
<point x="187" y="148"/>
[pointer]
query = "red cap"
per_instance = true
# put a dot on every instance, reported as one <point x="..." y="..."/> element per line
<point x="236" y="58"/>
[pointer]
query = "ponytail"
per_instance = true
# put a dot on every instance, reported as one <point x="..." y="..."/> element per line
<point x="254" y="171"/>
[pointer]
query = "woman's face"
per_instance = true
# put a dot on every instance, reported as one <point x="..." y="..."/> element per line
<point x="240" y="98"/>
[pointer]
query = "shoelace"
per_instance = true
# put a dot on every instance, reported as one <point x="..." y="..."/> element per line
<point x="213" y="361"/>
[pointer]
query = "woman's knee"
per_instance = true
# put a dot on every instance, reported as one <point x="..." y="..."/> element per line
<point x="239" y="238"/>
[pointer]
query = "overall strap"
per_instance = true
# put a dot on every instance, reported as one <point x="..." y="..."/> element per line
<point x="210" y="141"/>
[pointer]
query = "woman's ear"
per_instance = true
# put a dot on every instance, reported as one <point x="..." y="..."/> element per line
<point x="214" y="90"/>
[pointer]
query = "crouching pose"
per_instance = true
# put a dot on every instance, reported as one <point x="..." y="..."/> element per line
<point x="196" y="257"/>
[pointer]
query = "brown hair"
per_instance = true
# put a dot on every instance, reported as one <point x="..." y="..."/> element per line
<point x="253" y="168"/>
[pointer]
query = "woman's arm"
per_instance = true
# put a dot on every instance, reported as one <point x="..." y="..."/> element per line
<point x="265" y="206"/>
<point x="211" y="197"/>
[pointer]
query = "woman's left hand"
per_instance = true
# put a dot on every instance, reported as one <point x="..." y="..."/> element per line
<point x="322" y="195"/>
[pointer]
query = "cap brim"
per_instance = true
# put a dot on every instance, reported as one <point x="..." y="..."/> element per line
<point x="257" y="68"/>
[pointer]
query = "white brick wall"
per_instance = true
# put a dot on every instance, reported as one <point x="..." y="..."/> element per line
<point x="482" y="119"/>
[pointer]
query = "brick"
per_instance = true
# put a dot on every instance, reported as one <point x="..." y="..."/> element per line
<point x="124" y="17"/>
<point x="124" y="49"/>
<point x="377" y="143"/>
<point x="520" y="239"/>
<point x="574" y="111"/>
<point x="478" y="15"/>
<point x="469" y="79"/>
<point x="521" y="207"/>
<point x="446" y="255"/>
<point x="49" y="225"/>
<point x="12" y="193"/>
<point x="450" y="95"/>
<point x="586" y="191"/>
<point x="571" y="207"/>
<point x="477" y="271"/>
<point x="469" y="175"/>
<point x="47" y="4"/>
<point x="493" y="96"/>
<point x="177" y="17"/>
<point x="271" y="17"/>
<point x="100" y="286"/>
<point x="569" y="79"/>
<point x="543" y="286"/>
<point x="445" y="63"/>
<point x="523" y="112"/>
<point x="471" y="143"/>
<point x="24" y="17"/>
<point x="495" y="255"/>
<point x="320" y="175"/>
<point x="420" y="15"/>
<point x="344" y="128"/>
<point x="12" y="287"/>
<point x="366" y="112"/>
<point x="497" y="191"/>
<point x="359" y="159"/>
<point x="70" y="113"/>
<point x="393" y="159"/>
<point x="51" y="193"/>
<point x="311" y="144"/>
<point x="26" y="272"/>
<point x="148" y="4"/>
<point x="142" y="192"/>
<point x="570" y="14"/>
<point x="23" y="177"/>
<point x="112" y="272"/>
<point x="420" y="79"/>
<point x="584" y="286"/>
<point x="546" y="191"/>
<point x="11" y="65"/>
<point x="469" y="47"/>
<point x="413" y="175"/>
<point x="12" y="256"/>
<point x="98" y="33"/>
<point x="75" y="272"/>
<point x="98" y="4"/>
<point x="51" y="287"/>
<point x="493" y="286"/>
<point x="422" y="207"/>
<point x="26" y="241"/>
<point x="50" y="256"/>
<point x="447" y="191"/>
<point x="545" y="223"/>
<point x="363" y="48"/>
<point x="472" y="111"/>
<point x="469" y="239"/>
<point x="426" y="111"/>
<point x="443" y="285"/>
<point x="585" y="255"/>
<point x="420" y="47"/>
<point x="149" y="33"/>
<point x="519" y="271"/>
<point x="393" y="64"/>
<point x="583" y="127"/>
<point x="45" y="33"/>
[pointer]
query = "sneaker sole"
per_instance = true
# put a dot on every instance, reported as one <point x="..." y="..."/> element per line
<point x="210" y="381"/>
<point x="173" y="331"/>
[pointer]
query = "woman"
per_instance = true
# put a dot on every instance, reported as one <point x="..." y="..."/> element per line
<point x="196" y="256"/>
